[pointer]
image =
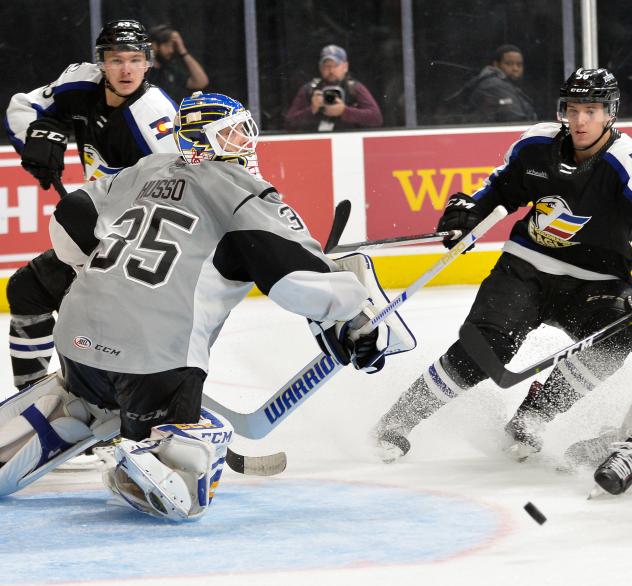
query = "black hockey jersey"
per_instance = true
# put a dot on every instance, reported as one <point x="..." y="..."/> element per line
<point x="108" y="138"/>
<point x="580" y="223"/>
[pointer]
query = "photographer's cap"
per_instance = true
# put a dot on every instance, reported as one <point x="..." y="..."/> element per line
<point x="333" y="52"/>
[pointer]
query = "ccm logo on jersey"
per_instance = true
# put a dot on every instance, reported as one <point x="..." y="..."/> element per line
<point x="147" y="416"/>
<point x="85" y="343"/>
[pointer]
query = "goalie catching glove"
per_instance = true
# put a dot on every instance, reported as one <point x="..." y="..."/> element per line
<point x="43" y="153"/>
<point x="345" y="344"/>
<point x="460" y="214"/>
<point x="342" y="339"/>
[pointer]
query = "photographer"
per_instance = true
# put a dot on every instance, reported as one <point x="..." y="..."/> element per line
<point x="333" y="101"/>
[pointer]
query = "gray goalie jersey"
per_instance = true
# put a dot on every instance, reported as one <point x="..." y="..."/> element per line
<point x="168" y="249"/>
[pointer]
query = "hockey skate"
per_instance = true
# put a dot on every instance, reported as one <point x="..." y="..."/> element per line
<point x="591" y="452"/>
<point x="391" y="433"/>
<point x="614" y="475"/>
<point x="525" y="428"/>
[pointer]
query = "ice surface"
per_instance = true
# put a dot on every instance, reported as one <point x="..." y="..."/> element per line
<point x="450" y="512"/>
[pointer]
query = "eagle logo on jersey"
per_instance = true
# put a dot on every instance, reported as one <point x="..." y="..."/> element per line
<point x="94" y="164"/>
<point x="553" y="224"/>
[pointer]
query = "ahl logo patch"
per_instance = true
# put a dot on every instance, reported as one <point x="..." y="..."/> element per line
<point x="553" y="223"/>
<point x="82" y="342"/>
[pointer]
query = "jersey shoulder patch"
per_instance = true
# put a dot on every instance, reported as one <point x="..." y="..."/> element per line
<point x="150" y="118"/>
<point x="619" y="157"/>
<point x="543" y="133"/>
<point x="78" y="76"/>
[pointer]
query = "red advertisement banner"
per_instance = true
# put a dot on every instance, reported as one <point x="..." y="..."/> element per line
<point x="409" y="178"/>
<point x="300" y="169"/>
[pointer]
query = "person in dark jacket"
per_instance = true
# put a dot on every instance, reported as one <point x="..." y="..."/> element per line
<point x="495" y="94"/>
<point x="333" y="101"/>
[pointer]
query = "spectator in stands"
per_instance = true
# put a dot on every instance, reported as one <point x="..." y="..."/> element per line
<point x="495" y="94"/>
<point x="333" y="101"/>
<point x="175" y="70"/>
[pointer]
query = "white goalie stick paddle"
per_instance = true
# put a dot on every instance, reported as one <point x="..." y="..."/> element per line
<point x="323" y="367"/>
<point x="398" y="241"/>
<point x="481" y="352"/>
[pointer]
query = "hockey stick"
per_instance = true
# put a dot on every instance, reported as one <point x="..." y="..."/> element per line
<point x="481" y="352"/>
<point x="323" y="367"/>
<point x="398" y="241"/>
<point x="276" y="463"/>
<point x="59" y="186"/>
<point x="256" y="465"/>
<point x="341" y="217"/>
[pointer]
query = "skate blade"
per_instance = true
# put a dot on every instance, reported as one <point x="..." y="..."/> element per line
<point x="520" y="452"/>
<point x="596" y="492"/>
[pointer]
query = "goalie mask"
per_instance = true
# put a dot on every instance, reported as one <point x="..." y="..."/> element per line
<point x="122" y="35"/>
<point x="214" y="127"/>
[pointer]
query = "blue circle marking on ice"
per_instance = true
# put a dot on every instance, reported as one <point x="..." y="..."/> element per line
<point x="276" y="525"/>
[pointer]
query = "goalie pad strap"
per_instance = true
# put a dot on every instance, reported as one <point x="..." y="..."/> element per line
<point x="50" y="441"/>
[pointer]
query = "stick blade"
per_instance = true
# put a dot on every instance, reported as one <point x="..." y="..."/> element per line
<point x="269" y="465"/>
<point x="341" y="217"/>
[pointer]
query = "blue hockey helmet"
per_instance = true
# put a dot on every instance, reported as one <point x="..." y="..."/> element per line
<point x="214" y="127"/>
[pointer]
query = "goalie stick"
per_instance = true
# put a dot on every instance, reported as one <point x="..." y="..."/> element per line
<point x="276" y="463"/>
<point x="481" y="352"/>
<point x="323" y="367"/>
<point x="398" y="241"/>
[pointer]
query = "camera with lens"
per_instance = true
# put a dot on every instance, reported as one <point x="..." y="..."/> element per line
<point x="331" y="92"/>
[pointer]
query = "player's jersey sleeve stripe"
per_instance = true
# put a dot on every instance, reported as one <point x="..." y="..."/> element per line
<point x="243" y="202"/>
<point x="512" y="154"/>
<point x="136" y="133"/>
<point x="74" y="85"/>
<point x="263" y="257"/>
<point x="623" y="171"/>
<point x="262" y="195"/>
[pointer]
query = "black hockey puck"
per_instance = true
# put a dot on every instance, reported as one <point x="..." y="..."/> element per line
<point x="535" y="513"/>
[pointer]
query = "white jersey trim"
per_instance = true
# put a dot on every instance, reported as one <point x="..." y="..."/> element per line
<point x="552" y="266"/>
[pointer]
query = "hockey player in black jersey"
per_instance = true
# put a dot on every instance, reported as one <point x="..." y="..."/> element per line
<point x="567" y="263"/>
<point x="116" y="118"/>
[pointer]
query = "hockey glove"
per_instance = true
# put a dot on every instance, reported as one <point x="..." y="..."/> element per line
<point x="43" y="153"/>
<point x="460" y="214"/>
<point x="343" y="342"/>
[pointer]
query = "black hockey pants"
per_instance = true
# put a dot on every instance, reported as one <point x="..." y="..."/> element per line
<point x="516" y="298"/>
<point x="34" y="292"/>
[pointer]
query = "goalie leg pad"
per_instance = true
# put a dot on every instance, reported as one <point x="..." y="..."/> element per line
<point x="42" y="427"/>
<point x="172" y="474"/>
